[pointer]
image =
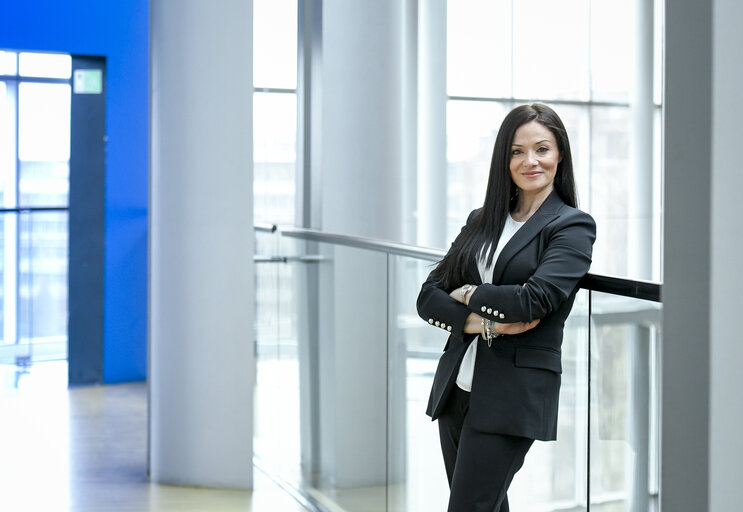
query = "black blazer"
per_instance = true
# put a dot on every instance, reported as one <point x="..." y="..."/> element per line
<point x="516" y="382"/>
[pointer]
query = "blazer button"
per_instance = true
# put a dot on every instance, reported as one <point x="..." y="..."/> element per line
<point x="430" y="321"/>
<point x="495" y="312"/>
<point x="437" y="323"/>
<point x="448" y="328"/>
<point x="443" y="325"/>
<point x="502" y="315"/>
<point x="490" y="310"/>
<point x="483" y="309"/>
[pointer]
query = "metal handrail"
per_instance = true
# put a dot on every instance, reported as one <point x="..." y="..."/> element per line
<point x="32" y="209"/>
<point x="636" y="289"/>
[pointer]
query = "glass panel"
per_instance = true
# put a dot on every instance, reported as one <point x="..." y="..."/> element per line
<point x="624" y="403"/>
<point x="657" y="209"/>
<point x="658" y="52"/>
<point x="329" y="376"/>
<point x="7" y="145"/>
<point x="479" y="48"/>
<point x="275" y="138"/>
<point x="8" y="251"/>
<point x="577" y="121"/>
<point x="416" y="475"/>
<point x="610" y="189"/>
<point x="44" y="122"/>
<point x="44" y="184"/>
<point x="554" y="474"/>
<point x="267" y="418"/>
<point x="45" y="65"/>
<point x="612" y="58"/>
<point x="275" y="43"/>
<point x="8" y="64"/>
<point x="550" y="61"/>
<point x="471" y="127"/>
<point x="42" y="285"/>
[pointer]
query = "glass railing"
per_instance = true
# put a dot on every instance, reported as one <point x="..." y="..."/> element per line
<point x="345" y="366"/>
<point x="33" y="289"/>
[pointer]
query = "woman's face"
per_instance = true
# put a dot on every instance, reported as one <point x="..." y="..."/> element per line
<point x="534" y="158"/>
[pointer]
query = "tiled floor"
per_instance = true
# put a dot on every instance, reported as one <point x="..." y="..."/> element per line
<point x="84" y="450"/>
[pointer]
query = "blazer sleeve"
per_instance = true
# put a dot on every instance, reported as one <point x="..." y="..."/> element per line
<point x="436" y="306"/>
<point x="564" y="261"/>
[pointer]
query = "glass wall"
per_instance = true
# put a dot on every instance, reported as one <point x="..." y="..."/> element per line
<point x="344" y="378"/>
<point x="34" y="177"/>
<point x="274" y="111"/>
<point x="582" y="62"/>
<point x="587" y="61"/>
<point x="624" y="416"/>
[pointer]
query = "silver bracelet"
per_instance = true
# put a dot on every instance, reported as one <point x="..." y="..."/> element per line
<point x="490" y="331"/>
<point x="465" y="290"/>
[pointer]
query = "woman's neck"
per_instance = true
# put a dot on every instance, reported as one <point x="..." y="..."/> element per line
<point x="528" y="203"/>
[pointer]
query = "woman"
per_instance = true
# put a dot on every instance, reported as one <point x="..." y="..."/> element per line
<point x="503" y="291"/>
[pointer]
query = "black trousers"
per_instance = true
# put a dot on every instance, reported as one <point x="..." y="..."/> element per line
<point x="479" y="465"/>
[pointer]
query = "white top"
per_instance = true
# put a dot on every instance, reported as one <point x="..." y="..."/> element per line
<point x="467" y="368"/>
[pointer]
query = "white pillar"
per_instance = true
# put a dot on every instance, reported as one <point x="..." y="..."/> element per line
<point x="686" y="260"/>
<point x="432" y="98"/>
<point x="201" y="363"/>
<point x="726" y="230"/>
<point x="641" y="245"/>
<point x="641" y="145"/>
<point x="362" y="114"/>
<point x="702" y="343"/>
<point x="362" y="194"/>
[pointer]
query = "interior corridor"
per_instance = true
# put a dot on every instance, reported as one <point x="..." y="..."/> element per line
<point x="84" y="450"/>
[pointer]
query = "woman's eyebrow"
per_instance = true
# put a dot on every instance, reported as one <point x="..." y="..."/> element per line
<point x="539" y="142"/>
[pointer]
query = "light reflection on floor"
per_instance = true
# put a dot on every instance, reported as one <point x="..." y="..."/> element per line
<point x="51" y="375"/>
<point x="84" y="450"/>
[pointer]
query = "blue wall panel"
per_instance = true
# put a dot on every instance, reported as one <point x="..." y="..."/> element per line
<point x="118" y="31"/>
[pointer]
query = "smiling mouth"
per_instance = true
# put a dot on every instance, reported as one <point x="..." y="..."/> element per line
<point x="530" y="174"/>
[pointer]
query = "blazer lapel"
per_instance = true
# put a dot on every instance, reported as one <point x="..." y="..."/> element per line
<point x="473" y="273"/>
<point x="543" y="216"/>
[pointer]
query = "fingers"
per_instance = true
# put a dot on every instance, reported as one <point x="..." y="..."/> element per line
<point x="516" y="327"/>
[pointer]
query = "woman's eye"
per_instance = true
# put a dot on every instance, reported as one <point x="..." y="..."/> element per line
<point x="543" y="149"/>
<point x="516" y="152"/>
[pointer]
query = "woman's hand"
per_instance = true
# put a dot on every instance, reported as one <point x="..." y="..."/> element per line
<point x="473" y="325"/>
<point x="515" y="328"/>
<point x="463" y="293"/>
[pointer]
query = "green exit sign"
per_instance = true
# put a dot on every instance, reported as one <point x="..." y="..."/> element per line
<point x="87" y="81"/>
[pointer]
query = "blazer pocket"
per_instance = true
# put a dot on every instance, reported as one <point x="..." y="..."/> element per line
<point x="541" y="358"/>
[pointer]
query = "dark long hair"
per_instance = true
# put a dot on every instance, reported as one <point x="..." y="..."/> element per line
<point x="501" y="194"/>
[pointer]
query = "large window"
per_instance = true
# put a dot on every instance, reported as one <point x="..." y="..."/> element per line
<point x="34" y="174"/>
<point x="578" y="56"/>
<point x="274" y="110"/>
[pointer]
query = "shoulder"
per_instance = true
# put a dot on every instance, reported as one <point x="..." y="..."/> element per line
<point x="574" y="225"/>
<point x="568" y="214"/>
<point x="473" y="214"/>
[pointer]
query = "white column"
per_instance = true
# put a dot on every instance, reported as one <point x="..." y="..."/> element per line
<point x="201" y="365"/>
<point x="641" y="145"/>
<point x="702" y="342"/>
<point x="686" y="261"/>
<point x="362" y="194"/>
<point x="432" y="99"/>
<point x="362" y="95"/>
<point x="726" y="338"/>
<point x="641" y="245"/>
